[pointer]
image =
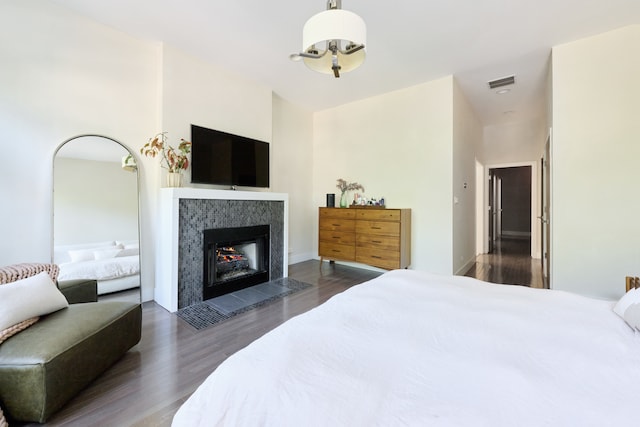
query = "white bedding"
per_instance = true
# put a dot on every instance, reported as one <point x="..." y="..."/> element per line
<point x="102" y="269"/>
<point x="414" y="349"/>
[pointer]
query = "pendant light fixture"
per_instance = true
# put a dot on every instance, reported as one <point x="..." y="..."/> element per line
<point x="333" y="41"/>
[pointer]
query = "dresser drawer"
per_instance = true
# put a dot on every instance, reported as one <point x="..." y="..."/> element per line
<point x="340" y="237"/>
<point x="378" y="227"/>
<point x="336" y="224"/>
<point x="389" y="243"/>
<point x="378" y="258"/>
<point x="340" y="213"/>
<point x="334" y="250"/>
<point x="378" y="214"/>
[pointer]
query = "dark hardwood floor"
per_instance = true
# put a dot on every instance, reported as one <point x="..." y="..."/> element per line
<point x="510" y="263"/>
<point x="148" y="385"/>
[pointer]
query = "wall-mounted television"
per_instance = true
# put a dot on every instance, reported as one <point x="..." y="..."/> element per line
<point x="225" y="159"/>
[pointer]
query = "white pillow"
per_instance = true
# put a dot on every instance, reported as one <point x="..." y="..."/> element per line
<point x="631" y="297"/>
<point x="89" y="254"/>
<point x="61" y="252"/>
<point x="82" y="255"/>
<point x="128" y="252"/>
<point x="107" y="253"/>
<point x="34" y="296"/>
<point x="632" y="315"/>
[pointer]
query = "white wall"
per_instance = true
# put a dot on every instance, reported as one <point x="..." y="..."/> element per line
<point x="94" y="201"/>
<point x="399" y="146"/>
<point x="516" y="142"/>
<point x="292" y="163"/>
<point x="195" y="92"/>
<point x="63" y="75"/>
<point x="596" y="148"/>
<point x="467" y="137"/>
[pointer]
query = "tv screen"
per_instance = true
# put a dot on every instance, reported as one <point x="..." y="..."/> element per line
<point x="225" y="159"/>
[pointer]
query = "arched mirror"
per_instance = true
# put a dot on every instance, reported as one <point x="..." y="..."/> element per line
<point x="95" y="215"/>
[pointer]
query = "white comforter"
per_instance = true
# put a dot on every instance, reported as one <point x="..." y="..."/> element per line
<point x="102" y="269"/>
<point x="413" y="349"/>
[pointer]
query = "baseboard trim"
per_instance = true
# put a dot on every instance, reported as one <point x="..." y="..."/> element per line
<point x="296" y="258"/>
<point x="465" y="267"/>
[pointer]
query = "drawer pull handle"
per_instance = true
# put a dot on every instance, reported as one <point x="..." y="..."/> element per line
<point x="376" y="241"/>
<point x="336" y="237"/>
<point x="336" y="251"/>
<point x="336" y="225"/>
<point x="376" y="228"/>
<point x="376" y="257"/>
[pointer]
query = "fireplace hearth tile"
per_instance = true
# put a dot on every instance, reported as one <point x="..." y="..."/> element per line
<point x="203" y="314"/>
<point x="271" y="289"/>
<point x="238" y="300"/>
<point x="226" y="304"/>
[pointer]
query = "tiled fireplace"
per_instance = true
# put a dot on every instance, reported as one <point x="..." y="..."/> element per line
<point x="188" y="212"/>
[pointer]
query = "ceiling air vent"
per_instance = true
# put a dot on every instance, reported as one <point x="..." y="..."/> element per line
<point x="505" y="81"/>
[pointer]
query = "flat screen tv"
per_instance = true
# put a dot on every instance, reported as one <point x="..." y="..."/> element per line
<point x="225" y="159"/>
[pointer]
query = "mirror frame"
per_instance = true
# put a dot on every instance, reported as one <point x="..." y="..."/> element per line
<point x="53" y="187"/>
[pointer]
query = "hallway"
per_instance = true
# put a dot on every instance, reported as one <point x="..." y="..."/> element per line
<point x="510" y="263"/>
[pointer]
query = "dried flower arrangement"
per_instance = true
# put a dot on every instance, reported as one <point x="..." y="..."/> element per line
<point x="343" y="186"/>
<point x="174" y="160"/>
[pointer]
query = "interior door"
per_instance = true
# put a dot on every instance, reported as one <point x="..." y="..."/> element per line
<point x="498" y="204"/>
<point x="491" y="210"/>
<point x="545" y="217"/>
<point x="495" y="208"/>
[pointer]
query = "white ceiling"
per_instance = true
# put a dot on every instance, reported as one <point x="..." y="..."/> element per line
<point x="408" y="42"/>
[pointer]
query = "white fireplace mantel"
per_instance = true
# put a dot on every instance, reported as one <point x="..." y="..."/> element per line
<point x="166" y="289"/>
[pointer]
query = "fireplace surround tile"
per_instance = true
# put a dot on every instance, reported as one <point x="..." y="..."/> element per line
<point x="197" y="215"/>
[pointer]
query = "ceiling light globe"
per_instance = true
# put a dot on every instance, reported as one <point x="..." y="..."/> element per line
<point x="335" y="24"/>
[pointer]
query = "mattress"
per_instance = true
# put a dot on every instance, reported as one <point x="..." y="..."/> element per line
<point x="415" y="349"/>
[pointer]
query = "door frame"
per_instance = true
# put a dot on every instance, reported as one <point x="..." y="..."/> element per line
<point x="545" y="213"/>
<point x="482" y="214"/>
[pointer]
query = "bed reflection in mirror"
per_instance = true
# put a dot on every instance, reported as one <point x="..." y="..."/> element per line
<point x="95" y="215"/>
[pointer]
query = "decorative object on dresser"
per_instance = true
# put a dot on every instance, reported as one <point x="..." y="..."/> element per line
<point x="344" y="186"/>
<point x="331" y="200"/>
<point x="369" y="235"/>
<point x="175" y="160"/>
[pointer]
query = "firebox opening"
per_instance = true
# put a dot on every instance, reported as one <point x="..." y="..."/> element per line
<point x="234" y="259"/>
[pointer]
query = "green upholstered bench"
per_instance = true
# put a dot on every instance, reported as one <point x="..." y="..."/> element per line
<point x="79" y="290"/>
<point x="49" y="362"/>
<point x="44" y="366"/>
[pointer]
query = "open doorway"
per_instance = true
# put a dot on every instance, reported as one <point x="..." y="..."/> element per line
<point x="486" y="207"/>
<point x="508" y="233"/>
<point x="510" y="208"/>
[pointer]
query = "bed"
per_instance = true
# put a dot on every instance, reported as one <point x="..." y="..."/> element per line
<point x="414" y="349"/>
<point x="114" y="264"/>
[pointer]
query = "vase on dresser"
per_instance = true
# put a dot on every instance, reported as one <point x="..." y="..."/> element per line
<point x="174" y="179"/>
<point x="343" y="200"/>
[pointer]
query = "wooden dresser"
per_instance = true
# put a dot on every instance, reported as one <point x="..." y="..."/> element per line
<point x="377" y="237"/>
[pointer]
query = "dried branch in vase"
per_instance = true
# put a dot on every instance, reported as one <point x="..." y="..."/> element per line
<point x="351" y="186"/>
